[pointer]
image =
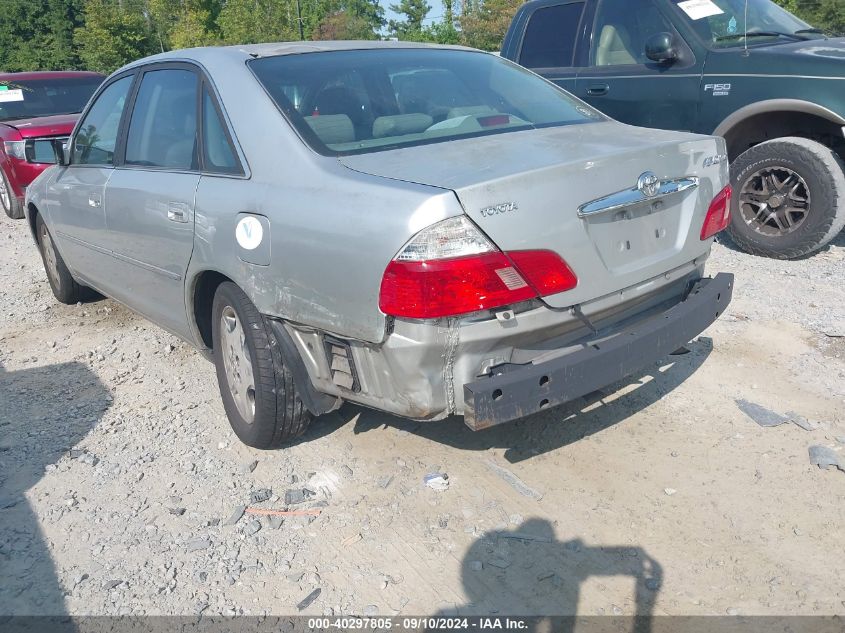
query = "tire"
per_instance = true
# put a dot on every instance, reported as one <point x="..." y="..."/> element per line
<point x="62" y="283"/>
<point x="11" y="206"/>
<point x="788" y="198"/>
<point x="264" y="409"/>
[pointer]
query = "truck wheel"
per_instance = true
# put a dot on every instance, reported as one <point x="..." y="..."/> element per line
<point x="8" y="201"/>
<point x="62" y="283"/>
<point x="259" y="395"/>
<point x="789" y="198"/>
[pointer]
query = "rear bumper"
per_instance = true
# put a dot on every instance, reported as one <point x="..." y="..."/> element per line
<point x="515" y="391"/>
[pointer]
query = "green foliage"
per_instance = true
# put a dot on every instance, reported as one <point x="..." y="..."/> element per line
<point x="485" y="22"/>
<point x="344" y="25"/>
<point x="38" y="34"/>
<point x="828" y="15"/>
<point x="114" y="33"/>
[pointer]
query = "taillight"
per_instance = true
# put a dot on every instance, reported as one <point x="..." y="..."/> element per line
<point x="545" y="271"/>
<point x="451" y="268"/>
<point x="718" y="215"/>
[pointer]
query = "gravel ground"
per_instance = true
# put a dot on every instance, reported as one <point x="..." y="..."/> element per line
<point x="121" y="483"/>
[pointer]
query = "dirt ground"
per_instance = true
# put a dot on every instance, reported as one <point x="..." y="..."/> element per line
<point x="119" y="475"/>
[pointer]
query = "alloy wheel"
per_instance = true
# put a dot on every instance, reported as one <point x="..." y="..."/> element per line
<point x="774" y="201"/>
<point x="237" y="363"/>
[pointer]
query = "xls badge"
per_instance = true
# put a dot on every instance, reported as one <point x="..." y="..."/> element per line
<point x="498" y="209"/>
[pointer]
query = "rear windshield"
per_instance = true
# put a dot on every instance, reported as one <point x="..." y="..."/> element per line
<point x="45" y="97"/>
<point x="352" y="102"/>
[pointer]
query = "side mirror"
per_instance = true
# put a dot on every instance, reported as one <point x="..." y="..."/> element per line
<point x="47" y="151"/>
<point x="660" y="48"/>
<point x="62" y="148"/>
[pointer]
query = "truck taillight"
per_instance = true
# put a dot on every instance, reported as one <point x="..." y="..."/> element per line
<point x="718" y="215"/>
<point x="451" y="268"/>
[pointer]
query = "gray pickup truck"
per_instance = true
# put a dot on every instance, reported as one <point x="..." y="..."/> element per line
<point x="424" y="230"/>
<point x="770" y="84"/>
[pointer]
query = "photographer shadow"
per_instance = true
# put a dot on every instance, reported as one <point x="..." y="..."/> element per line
<point x="44" y="412"/>
<point x="527" y="572"/>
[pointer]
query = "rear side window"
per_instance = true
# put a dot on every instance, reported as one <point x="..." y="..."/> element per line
<point x="97" y="136"/>
<point x="218" y="154"/>
<point x="549" y="40"/>
<point x="163" y="128"/>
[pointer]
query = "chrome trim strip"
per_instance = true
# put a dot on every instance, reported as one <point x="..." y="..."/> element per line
<point x="632" y="197"/>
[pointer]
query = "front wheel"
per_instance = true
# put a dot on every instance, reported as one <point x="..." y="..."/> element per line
<point x="789" y="198"/>
<point x="8" y="201"/>
<point x="258" y="391"/>
<point x="62" y="283"/>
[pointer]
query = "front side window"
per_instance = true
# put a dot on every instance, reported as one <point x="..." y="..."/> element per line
<point x="163" y="127"/>
<point x="45" y="97"/>
<point x="359" y="101"/>
<point x="96" y="137"/>
<point x="735" y="23"/>
<point x="550" y="37"/>
<point x="621" y="30"/>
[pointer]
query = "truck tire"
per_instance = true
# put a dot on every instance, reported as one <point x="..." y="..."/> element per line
<point x="62" y="283"/>
<point x="8" y="201"/>
<point x="788" y="198"/>
<point x="258" y="391"/>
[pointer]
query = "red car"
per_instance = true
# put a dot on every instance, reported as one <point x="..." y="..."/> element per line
<point x="38" y="106"/>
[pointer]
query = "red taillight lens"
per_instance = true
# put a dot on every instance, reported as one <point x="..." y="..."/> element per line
<point x="446" y="287"/>
<point x="718" y="215"/>
<point x="545" y="271"/>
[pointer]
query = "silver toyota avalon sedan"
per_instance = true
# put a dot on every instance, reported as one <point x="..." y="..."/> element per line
<point x="424" y="230"/>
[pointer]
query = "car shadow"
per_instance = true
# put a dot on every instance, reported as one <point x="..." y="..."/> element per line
<point x="542" y="432"/>
<point x="44" y="412"/>
<point x="527" y="572"/>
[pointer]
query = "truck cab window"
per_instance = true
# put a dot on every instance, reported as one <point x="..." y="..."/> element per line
<point x="550" y="37"/>
<point x="621" y="30"/>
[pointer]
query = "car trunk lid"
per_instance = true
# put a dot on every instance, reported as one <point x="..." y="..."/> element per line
<point x="524" y="190"/>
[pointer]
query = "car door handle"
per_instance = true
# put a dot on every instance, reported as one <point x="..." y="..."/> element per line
<point x="598" y="90"/>
<point x="95" y="200"/>
<point x="177" y="212"/>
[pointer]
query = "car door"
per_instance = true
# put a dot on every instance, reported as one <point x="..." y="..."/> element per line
<point x="150" y="197"/>
<point x="623" y="83"/>
<point x="76" y="210"/>
<point x="548" y="45"/>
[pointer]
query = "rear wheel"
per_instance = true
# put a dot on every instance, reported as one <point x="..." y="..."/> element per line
<point x="64" y="287"/>
<point x="258" y="391"/>
<point x="8" y="201"/>
<point x="789" y="198"/>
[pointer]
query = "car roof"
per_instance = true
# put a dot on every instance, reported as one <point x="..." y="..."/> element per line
<point x="246" y="51"/>
<point x="47" y="74"/>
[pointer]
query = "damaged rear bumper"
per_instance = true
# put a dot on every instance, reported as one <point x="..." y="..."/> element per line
<point x="515" y="391"/>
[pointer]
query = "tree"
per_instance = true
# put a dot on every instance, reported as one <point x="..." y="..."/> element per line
<point x="411" y="28"/>
<point x="253" y="21"/>
<point x="828" y="15"/>
<point x="485" y="22"/>
<point x="38" y="34"/>
<point x="343" y="25"/>
<point x="115" y="33"/>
